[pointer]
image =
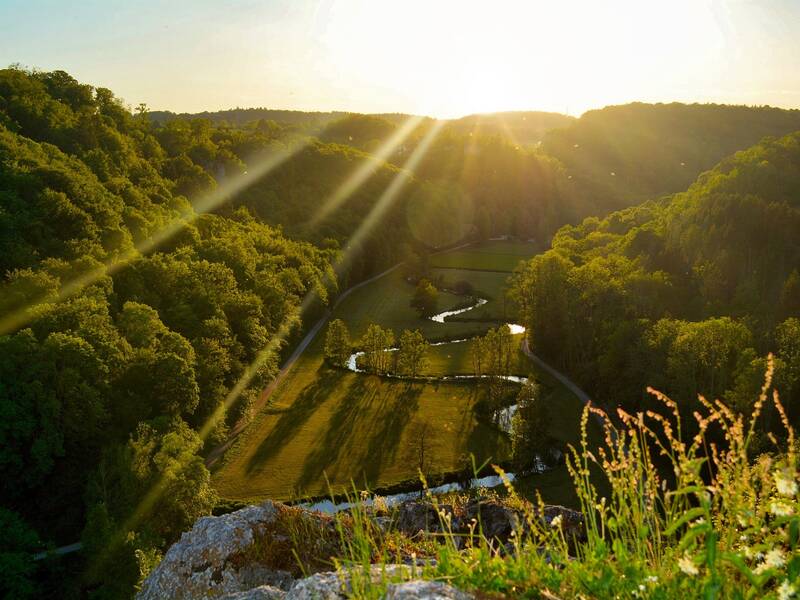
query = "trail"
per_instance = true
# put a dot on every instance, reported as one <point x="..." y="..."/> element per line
<point x="566" y="382"/>
<point x="563" y="379"/>
<point x="237" y="429"/>
<point x="59" y="551"/>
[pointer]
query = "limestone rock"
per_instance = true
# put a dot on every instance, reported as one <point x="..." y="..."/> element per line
<point x="262" y="592"/>
<point x="337" y="585"/>
<point x="425" y="590"/>
<point x="496" y="520"/>
<point x="414" y="516"/>
<point x="202" y="564"/>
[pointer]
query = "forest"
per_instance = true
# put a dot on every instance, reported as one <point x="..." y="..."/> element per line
<point x="686" y="293"/>
<point x="156" y="272"/>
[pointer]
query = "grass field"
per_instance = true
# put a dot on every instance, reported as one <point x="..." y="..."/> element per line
<point x="350" y="427"/>
<point x="387" y="302"/>
<point x="327" y="425"/>
<point x="486" y="284"/>
<point x="500" y="255"/>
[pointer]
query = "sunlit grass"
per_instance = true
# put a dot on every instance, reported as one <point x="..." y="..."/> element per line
<point x="709" y="521"/>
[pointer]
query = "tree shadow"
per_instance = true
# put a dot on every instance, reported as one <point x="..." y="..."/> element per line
<point x="369" y="428"/>
<point x="385" y="441"/>
<point x="293" y="417"/>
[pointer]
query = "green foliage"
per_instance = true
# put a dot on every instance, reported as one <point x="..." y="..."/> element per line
<point x="374" y="343"/>
<point x="425" y="299"/>
<point x="529" y="426"/>
<point x="16" y="559"/>
<point x="677" y="292"/>
<point x="337" y="343"/>
<point x="411" y="352"/>
<point x="122" y="309"/>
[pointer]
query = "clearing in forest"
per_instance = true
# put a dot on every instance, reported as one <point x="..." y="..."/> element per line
<point x="325" y="428"/>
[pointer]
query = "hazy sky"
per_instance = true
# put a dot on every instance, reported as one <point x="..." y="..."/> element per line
<point x="432" y="57"/>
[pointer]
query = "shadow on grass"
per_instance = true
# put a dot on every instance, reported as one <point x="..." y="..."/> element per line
<point x="367" y="427"/>
<point x="293" y="418"/>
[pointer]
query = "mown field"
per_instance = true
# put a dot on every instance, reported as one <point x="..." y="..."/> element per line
<point x="497" y="255"/>
<point x="328" y="427"/>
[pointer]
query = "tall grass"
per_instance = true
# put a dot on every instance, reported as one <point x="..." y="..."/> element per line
<point x="684" y="518"/>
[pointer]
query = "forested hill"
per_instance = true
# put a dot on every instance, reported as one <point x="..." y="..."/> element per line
<point x="238" y="117"/>
<point x="623" y="155"/>
<point x="686" y="294"/>
<point x="521" y="127"/>
<point x="119" y="360"/>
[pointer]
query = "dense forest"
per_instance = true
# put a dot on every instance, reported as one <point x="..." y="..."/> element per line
<point x="117" y="368"/>
<point x="687" y="293"/>
<point x="154" y="266"/>
<point x="623" y="155"/>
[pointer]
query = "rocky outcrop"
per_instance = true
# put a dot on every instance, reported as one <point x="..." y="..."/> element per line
<point x="211" y="559"/>
<point x="256" y="553"/>
<point x="425" y="590"/>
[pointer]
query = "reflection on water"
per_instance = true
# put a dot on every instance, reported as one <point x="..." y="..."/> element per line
<point x="439" y="318"/>
<point x="328" y="506"/>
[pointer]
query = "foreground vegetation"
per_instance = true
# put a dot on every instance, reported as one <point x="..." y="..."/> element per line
<point x="719" y="525"/>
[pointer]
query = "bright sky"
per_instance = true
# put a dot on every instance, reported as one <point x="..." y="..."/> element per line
<point x="437" y="57"/>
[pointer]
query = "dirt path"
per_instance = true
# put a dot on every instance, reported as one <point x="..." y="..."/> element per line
<point x="565" y="381"/>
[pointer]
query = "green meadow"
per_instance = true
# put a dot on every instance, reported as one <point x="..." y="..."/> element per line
<point x="324" y="429"/>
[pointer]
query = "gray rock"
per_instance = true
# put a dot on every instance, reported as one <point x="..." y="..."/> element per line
<point x="262" y="592"/>
<point x="425" y="590"/>
<point x="414" y="516"/>
<point x="199" y="565"/>
<point x="337" y="585"/>
<point x="493" y="518"/>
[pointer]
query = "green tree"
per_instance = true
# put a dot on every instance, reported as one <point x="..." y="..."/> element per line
<point x="425" y="299"/>
<point x="412" y="351"/>
<point x="529" y="426"/>
<point x="375" y="342"/>
<point x="337" y="343"/>
<point x="16" y="556"/>
<point x="477" y="352"/>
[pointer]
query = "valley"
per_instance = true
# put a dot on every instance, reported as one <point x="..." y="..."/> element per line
<point x="324" y="430"/>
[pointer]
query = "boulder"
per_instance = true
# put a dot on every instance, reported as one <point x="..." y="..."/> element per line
<point x="416" y="516"/>
<point x="493" y="518"/>
<point x="425" y="590"/>
<point x="262" y="592"/>
<point x="338" y="585"/>
<point x="211" y="559"/>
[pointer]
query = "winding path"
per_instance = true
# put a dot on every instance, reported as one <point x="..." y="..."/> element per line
<point x="563" y="379"/>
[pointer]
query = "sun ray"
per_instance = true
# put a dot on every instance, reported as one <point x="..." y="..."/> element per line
<point x="381" y="206"/>
<point x="389" y="195"/>
<point x="365" y="171"/>
<point x="21" y="316"/>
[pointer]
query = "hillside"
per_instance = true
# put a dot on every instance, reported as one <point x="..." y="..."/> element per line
<point x="687" y="293"/>
<point x="134" y="329"/>
<point x="524" y="128"/>
<point x="238" y="117"/>
<point x="623" y="155"/>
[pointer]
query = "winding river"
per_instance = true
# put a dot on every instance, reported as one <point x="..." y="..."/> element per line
<point x="502" y="417"/>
